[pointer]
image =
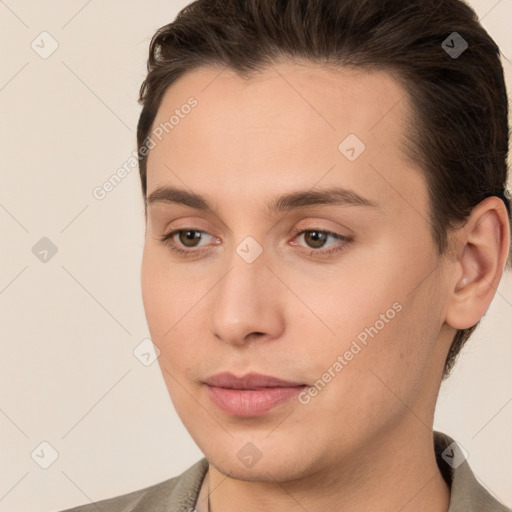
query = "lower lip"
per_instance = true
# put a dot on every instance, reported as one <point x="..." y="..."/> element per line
<point x="249" y="403"/>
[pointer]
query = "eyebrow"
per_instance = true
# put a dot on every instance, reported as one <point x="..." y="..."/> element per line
<point x="291" y="201"/>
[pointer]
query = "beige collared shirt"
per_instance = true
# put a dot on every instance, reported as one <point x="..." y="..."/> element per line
<point x="181" y="493"/>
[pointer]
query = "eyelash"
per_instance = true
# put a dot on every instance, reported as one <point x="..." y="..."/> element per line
<point x="167" y="241"/>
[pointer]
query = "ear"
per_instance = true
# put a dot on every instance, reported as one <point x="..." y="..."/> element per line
<point x="483" y="246"/>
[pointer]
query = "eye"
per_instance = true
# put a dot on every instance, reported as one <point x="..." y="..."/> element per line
<point x="187" y="237"/>
<point x="187" y="240"/>
<point x="316" y="240"/>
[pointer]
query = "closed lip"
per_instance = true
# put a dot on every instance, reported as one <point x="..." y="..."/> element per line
<point x="249" y="381"/>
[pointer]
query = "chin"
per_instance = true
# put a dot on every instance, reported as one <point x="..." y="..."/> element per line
<point x="278" y="461"/>
<point x="260" y="472"/>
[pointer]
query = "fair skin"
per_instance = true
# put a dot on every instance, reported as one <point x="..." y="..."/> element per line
<point x="364" y="442"/>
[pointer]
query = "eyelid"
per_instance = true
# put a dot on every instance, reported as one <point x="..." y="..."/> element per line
<point x="166" y="239"/>
<point x="343" y="240"/>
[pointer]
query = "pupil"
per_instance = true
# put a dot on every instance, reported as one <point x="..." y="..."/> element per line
<point x="317" y="237"/>
<point x="190" y="235"/>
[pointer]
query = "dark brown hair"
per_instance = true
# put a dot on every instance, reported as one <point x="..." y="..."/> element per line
<point x="458" y="131"/>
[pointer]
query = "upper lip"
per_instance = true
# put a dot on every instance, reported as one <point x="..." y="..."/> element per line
<point x="248" y="381"/>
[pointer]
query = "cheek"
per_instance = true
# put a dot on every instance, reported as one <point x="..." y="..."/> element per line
<point x="395" y="362"/>
<point x="168" y="304"/>
<point x="165" y="293"/>
<point x="161" y="296"/>
<point x="153" y="291"/>
<point x="346" y="302"/>
<point x="372" y="381"/>
<point x="378" y="328"/>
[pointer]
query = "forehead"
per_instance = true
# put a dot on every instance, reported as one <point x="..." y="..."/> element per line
<point x="284" y="126"/>
<point x="308" y="96"/>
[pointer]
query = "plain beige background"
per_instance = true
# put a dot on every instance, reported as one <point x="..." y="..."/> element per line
<point x="69" y="326"/>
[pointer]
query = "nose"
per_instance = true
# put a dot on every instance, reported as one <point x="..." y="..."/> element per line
<point x="247" y="303"/>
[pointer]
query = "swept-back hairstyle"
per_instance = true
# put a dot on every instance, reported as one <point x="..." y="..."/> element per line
<point x="458" y="131"/>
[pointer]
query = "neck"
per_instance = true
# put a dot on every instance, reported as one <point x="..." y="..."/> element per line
<point x="396" y="472"/>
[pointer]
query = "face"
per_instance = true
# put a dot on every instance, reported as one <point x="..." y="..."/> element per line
<point x="342" y="297"/>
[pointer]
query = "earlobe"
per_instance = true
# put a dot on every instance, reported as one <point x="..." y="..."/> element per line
<point x="486" y="238"/>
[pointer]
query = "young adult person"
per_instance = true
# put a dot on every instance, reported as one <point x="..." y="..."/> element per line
<point x="326" y="224"/>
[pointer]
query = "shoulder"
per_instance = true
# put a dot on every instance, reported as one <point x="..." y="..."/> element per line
<point x="467" y="493"/>
<point x="177" y="494"/>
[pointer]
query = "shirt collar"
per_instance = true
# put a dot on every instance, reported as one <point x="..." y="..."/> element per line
<point x="466" y="493"/>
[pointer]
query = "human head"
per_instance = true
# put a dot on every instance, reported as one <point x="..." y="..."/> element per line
<point x="458" y="133"/>
<point x="245" y="138"/>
